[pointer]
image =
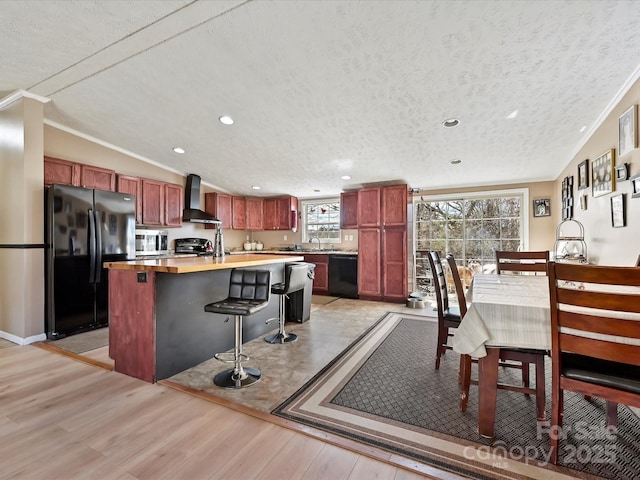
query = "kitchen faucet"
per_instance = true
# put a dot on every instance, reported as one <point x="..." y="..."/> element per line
<point x="316" y="238"/>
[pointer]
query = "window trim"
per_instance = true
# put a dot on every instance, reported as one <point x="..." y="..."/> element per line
<point x="303" y="217"/>
<point x="483" y="194"/>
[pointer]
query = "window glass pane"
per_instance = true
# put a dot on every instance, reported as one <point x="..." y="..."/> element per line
<point x="321" y="220"/>
<point x="471" y="229"/>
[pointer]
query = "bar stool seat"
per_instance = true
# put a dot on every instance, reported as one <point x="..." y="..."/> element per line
<point x="295" y="277"/>
<point x="249" y="292"/>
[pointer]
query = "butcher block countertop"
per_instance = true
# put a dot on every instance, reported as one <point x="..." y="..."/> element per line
<point x="202" y="264"/>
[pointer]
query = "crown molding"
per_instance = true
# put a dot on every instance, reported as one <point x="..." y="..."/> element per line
<point x="19" y="94"/>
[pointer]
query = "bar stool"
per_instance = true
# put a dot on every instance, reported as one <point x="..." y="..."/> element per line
<point x="295" y="277"/>
<point x="248" y="293"/>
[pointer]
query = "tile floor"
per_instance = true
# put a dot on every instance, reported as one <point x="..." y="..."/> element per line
<point x="286" y="367"/>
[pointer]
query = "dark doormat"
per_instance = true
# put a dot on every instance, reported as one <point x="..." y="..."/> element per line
<point x="384" y="391"/>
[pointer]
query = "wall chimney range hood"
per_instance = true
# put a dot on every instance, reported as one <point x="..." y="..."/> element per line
<point x="192" y="212"/>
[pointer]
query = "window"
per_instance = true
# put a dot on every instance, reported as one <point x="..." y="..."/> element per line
<point x="321" y="219"/>
<point x="471" y="227"/>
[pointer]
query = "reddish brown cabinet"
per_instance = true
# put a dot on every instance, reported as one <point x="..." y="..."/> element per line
<point x="173" y="198"/>
<point x="254" y="213"/>
<point x="321" y="278"/>
<point x="281" y="213"/>
<point x="62" y="172"/>
<point x="382" y="243"/>
<point x="239" y="211"/>
<point x="98" y="178"/>
<point x="349" y="210"/>
<point x="369" y="264"/>
<point x="152" y="202"/>
<point x="133" y="186"/>
<point x="369" y="204"/>
<point x="220" y="205"/>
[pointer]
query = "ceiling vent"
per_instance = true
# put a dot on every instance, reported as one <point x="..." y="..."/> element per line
<point x="192" y="212"/>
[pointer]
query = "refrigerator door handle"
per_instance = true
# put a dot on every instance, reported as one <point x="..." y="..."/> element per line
<point x="98" y="266"/>
<point x="92" y="247"/>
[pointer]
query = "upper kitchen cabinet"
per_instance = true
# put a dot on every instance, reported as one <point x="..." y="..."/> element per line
<point x="220" y="205"/>
<point x="239" y="212"/>
<point x="383" y="206"/>
<point x="281" y="213"/>
<point x="98" y="178"/>
<point x="254" y="213"/>
<point x="369" y="203"/>
<point x="173" y="197"/>
<point x="161" y="203"/>
<point x="394" y="205"/>
<point x="152" y="202"/>
<point x="133" y="186"/>
<point x="62" y="172"/>
<point x="349" y="210"/>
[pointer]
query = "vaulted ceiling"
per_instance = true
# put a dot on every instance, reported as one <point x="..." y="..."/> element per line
<point x="322" y="89"/>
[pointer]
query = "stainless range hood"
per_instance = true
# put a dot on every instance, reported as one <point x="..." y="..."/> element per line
<point x="192" y="212"/>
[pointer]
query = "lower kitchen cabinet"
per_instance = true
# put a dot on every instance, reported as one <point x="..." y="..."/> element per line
<point x="321" y="280"/>
<point x="382" y="264"/>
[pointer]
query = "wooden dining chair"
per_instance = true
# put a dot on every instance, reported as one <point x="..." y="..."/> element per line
<point x="521" y="262"/>
<point x="594" y="324"/>
<point x="448" y="317"/>
<point x="512" y="358"/>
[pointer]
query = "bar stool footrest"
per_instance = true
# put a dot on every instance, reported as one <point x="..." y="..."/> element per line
<point x="229" y="357"/>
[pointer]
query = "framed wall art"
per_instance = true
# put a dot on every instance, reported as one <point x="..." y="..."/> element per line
<point x="622" y="172"/>
<point x="583" y="175"/>
<point x="617" y="211"/>
<point x="602" y="179"/>
<point x="542" y="207"/>
<point x="635" y="186"/>
<point x="627" y="131"/>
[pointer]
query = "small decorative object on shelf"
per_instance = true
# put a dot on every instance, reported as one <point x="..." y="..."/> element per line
<point x="570" y="245"/>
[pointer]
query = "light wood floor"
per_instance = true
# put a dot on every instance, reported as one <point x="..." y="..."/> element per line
<point x="61" y="418"/>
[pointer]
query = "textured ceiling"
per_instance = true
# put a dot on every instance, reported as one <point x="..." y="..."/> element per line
<point x="320" y="89"/>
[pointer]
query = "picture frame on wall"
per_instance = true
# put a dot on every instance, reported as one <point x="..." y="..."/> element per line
<point x="583" y="175"/>
<point x="635" y="186"/>
<point x="602" y="175"/>
<point x="617" y="211"/>
<point x="627" y="131"/>
<point x="622" y="172"/>
<point x="542" y="207"/>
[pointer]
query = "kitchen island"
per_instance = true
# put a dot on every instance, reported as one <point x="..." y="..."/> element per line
<point x="157" y="323"/>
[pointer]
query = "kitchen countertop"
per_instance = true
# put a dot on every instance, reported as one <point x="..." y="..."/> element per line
<point x="296" y="252"/>
<point x="201" y="264"/>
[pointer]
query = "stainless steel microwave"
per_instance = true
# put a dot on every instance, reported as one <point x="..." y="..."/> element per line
<point x="152" y="242"/>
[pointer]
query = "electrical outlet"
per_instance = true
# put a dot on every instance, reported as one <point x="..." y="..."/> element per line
<point x="142" y="277"/>
<point x="350" y="238"/>
<point x="247" y="237"/>
<point x="346" y="237"/>
<point x="285" y="238"/>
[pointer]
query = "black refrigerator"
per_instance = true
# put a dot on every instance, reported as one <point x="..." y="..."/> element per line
<point x="84" y="228"/>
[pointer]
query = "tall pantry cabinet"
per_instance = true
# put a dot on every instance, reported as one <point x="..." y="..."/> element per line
<point x="382" y="243"/>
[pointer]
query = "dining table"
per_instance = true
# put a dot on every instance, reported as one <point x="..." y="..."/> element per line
<point x="504" y="311"/>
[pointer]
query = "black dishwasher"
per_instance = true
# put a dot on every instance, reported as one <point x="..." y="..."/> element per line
<point x="343" y="276"/>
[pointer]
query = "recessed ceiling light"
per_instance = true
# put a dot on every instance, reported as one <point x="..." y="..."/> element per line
<point x="226" y="120"/>
<point x="178" y="149"/>
<point x="451" y="122"/>
<point x="255" y="187"/>
<point x="345" y="177"/>
<point x="316" y="190"/>
<point x="455" y="161"/>
<point x="512" y="115"/>
<point x="584" y="127"/>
